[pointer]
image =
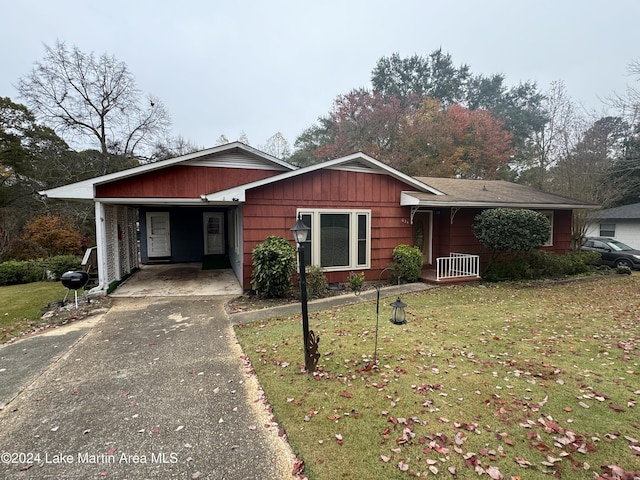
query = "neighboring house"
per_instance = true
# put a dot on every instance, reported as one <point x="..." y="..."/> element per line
<point x="223" y="201"/>
<point x="621" y="223"/>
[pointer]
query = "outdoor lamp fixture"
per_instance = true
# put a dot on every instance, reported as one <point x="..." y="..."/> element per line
<point x="398" y="315"/>
<point x="311" y="355"/>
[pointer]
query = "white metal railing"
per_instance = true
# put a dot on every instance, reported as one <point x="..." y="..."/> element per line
<point x="457" y="265"/>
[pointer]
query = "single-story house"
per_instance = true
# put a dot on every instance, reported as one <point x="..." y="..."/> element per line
<point x="222" y="202"/>
<point x="621" y="223"/>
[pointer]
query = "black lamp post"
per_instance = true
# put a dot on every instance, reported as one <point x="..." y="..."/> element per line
<point x="311" y="355"/>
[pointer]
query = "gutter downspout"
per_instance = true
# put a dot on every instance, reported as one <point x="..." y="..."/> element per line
<point x="102" y="286"/>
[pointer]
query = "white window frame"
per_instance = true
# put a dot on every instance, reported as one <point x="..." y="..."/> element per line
<point x="606" y="232"/>
<point x="353" y="237"/>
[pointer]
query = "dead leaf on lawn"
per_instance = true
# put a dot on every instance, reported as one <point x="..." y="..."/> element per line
<point x="616" y="408"/>
<point x="298" y="467"/>
<point x="494" y="473"/>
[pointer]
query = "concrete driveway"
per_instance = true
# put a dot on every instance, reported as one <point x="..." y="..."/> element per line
<point x="178" y="280"/>
<point x="154" y="388"/>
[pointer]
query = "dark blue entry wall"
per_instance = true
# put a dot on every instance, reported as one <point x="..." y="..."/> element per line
<point x="187" y="232"/>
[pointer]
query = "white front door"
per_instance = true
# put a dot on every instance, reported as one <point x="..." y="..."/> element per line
<point x="213" y="233"/>
<point x="158" y="234"/>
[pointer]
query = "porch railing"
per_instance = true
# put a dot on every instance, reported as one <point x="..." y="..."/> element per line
<point x="457" y="265"/>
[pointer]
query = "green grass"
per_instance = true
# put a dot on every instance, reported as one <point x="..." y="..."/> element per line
<point x="21" y="306"/>
<point x="517" y="381"/>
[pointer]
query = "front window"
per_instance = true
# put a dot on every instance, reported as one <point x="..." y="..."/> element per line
<point x="338" y="239"/>
<point x="607" y="229"/>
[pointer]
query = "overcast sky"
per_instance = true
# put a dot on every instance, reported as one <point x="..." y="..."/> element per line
<point x="261" y="67"/>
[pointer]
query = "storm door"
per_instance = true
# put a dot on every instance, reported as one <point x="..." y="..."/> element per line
<point x="158" y="234"/>
<point x="213" y="233"/>
<point x="422" y="234"/>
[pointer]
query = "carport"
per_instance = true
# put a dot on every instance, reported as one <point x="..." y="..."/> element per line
<point x="178" y="280"/>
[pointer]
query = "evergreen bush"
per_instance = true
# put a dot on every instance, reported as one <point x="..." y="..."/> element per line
<point x="355" y="280"/>
<point x="273" y="263"/>
<point x="316" y="281"/>
<point x="60" y="264"/>
<point x="16" y="272"/>
<point x="408" y="262"/>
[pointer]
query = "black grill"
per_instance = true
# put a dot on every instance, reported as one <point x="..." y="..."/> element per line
<point x="74" y="280"/>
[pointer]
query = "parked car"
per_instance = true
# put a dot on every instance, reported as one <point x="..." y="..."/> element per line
<point x="612" y="252"/>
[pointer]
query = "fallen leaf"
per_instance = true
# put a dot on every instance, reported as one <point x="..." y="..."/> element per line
<point x="494" y="473"/>
<point x="298" y="467"/>
<point x="616" y="408"/>
<point x="384" y="458"/>
<point x="403" y="466"/>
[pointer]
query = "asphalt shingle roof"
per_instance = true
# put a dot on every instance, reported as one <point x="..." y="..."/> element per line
<point x="491" y="193"/>
<point x="628" y="212"/>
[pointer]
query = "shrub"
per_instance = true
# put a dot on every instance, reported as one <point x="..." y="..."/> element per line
<point x="15" y="272"/>
<point x="50" y="235"/>
<point x="515" y="269"/>
<point x="316" y="281"/>
<point x="408" y="262"/>
<point x="509" y="229"/>
<point x="623" y="270"/>
<point x="355" y="280"/>
<point x="61" y="263"/>
<point x="538" y="264"/>
<point x="273" y="263"/>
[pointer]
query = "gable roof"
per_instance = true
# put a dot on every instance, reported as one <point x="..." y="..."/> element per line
<point x="359" y="162"/>
<point x="625" y="212"/>
<point x="488" y="193"/>
<point x="234" y="154"/>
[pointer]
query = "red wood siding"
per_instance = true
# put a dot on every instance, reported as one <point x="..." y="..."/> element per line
<point x="271" y="210"/>
<point x="458" y="237"/>
<point x="181" y="181"/>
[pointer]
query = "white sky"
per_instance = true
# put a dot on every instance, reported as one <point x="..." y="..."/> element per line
<point x="263" y="66"/>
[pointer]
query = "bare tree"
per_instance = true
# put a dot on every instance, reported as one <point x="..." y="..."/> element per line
<point x="222" y="140"/>
<point x="559" y="135"/>
<point x="628" y="103"/>
<point x="277" y="146"/>
<point x="93" y="101"/>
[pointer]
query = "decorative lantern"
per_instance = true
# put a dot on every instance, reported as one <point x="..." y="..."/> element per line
<point x="398" y="315"/>
<point x="300" y="231"/>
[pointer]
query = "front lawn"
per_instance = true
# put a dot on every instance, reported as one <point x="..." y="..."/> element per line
<point x="21" y="306"/>
<point x="502" y="380"/>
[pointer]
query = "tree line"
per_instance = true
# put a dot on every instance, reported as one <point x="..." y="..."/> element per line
<point x="84" y="116"/>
